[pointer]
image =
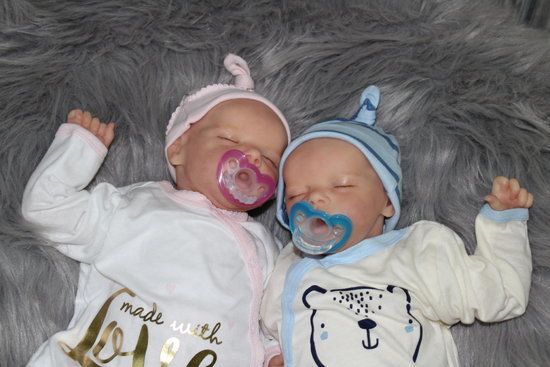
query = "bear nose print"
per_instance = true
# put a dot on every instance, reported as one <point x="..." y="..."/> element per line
<point x="367" y="324"/>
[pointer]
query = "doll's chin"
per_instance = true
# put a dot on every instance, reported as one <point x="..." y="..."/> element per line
<point x="222" y="202"/>
<point x="240" y="208"/>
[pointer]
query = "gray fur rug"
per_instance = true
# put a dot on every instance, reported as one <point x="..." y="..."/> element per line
<point x="464" y="88"/>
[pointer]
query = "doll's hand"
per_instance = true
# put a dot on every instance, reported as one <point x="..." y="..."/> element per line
<point x="507" y="194"/>
<point x="276" y="361"/>
<point x="104" y="132"/>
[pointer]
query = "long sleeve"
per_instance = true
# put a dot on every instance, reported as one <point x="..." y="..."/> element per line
<point x="57" y="203"/>
<point x="490" y="285"/>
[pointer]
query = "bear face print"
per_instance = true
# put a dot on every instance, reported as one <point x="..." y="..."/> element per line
<point x="362" y="324"/>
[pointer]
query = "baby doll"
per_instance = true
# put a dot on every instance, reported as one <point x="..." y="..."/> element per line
<point x="360" y="292"/>
<point x="168" y="276"/>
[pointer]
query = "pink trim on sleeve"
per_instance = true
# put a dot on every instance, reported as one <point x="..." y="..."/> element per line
<point x="67" y="129"/>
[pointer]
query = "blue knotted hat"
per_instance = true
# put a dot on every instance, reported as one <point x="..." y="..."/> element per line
<point x="379" y="147"/>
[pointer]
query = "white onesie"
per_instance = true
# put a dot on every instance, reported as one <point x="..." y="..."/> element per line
<point x="166" y="278"/>
<point x="390" y="300"/>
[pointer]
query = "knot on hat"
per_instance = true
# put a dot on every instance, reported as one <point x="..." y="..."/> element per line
<point x="239" y="69"/>
<point x="369" y="103"/>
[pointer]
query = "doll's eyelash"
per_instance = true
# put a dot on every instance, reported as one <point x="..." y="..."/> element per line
<point x="293" y="196"/>
<point x="270" y="161"/>
<point x="228" y="139"/>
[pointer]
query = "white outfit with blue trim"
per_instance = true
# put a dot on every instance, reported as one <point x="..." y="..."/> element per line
<point x="390" y="300"/>
<point x="165" y="279"/>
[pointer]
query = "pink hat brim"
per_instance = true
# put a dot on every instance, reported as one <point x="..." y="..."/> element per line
<point x="195" y="107"/>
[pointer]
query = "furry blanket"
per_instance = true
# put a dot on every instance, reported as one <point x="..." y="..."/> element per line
<point x="464" y="89"/>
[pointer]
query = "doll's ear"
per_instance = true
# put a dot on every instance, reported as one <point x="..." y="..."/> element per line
<point x="388" y="210"/>
<point x="175" y="152"/>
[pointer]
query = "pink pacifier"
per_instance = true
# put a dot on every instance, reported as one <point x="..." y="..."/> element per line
<point x="241" y="182"/>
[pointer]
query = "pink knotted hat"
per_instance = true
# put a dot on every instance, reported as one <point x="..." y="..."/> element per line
<point x="193" y="107"/>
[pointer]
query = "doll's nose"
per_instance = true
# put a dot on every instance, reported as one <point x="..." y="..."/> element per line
<point x="254" y="156"/>
<point x="318" y="199"/>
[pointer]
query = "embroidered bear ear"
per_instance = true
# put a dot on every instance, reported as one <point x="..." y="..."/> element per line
<point x="313" y="288"/>
<point x="369" y="103"/>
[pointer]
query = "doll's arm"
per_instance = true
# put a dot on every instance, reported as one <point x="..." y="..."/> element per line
<point x="502" y="241"/>
<point x="501" y="233"/>
<point x="493" y="283"/>
<point x="55" y="200"/>
<point x="490" y="285"/>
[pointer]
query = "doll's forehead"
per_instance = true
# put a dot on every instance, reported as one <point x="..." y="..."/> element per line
<point x="242" y="115"/>
<point x="330" y="159"/>
<point x="328" y="149"/>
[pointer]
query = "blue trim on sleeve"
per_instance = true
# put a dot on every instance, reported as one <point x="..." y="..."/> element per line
<point x="503" y="216"/>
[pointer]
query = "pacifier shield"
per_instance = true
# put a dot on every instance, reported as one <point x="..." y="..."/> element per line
<point x="316" y="232"/>
<point x="241" y="182"/>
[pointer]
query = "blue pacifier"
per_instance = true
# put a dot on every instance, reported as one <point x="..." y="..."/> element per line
<point x="316" y="232"/>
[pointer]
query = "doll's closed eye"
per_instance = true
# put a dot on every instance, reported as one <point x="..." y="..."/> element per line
<point x="293" y="196"/>
<point x="229" y="139"/>
<point x="343" y="187"/>
<point x="344" y="183"/>
<point x="270" y="162"/>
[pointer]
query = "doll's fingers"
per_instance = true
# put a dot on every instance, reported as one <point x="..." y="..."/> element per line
<point x="530" y="200"/>
<point x="494" y="202"/>
<point x="522" y="197"/>
<point x="514" y="187"/>
<point x="101" y="131"/>
<point x="74" y="116"/>
<point x="78" y="117"/>
<point x="86" y="120"/>
<point x="109" y="134"/>
<point x="499" y="184"/>
<point x="94" y="126"/>
<point x="491" y="199"/>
